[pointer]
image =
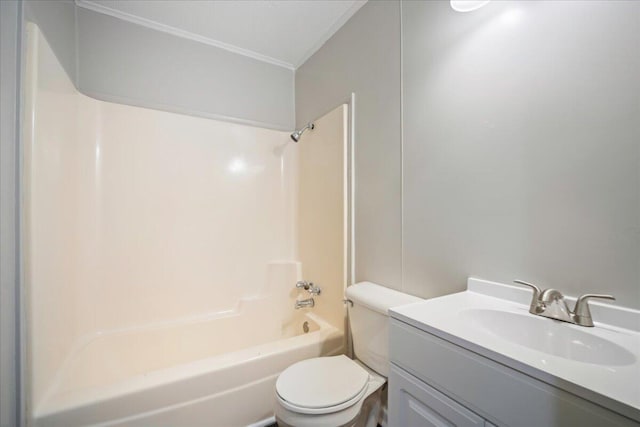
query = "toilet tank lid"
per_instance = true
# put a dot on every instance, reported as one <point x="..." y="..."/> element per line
<point x="377" y="297"/>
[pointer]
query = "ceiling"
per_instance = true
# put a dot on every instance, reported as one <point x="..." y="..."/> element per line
<point x="281" y="32"/>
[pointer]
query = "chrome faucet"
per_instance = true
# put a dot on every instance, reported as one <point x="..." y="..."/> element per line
<point x="550" y="303"/>
<point x="309" y="302"/>
<point x="308" y="286"/>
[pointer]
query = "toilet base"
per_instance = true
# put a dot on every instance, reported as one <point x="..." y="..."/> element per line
<point x="367" y="413"/>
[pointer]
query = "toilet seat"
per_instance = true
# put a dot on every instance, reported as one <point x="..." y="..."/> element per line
<point x="322" y="385"/>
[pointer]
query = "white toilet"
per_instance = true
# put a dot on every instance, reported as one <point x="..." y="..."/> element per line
<point x="337" y="391"/>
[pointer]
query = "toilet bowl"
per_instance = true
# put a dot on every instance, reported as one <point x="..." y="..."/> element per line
<point x="338" y="391"/>
<point x="327" y="391"/>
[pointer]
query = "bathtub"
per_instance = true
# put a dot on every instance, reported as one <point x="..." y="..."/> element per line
<point x="190" y="373"/>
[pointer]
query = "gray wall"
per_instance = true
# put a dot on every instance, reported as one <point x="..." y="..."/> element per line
<point x="118" y="61"/>
<point x="57" y="21"/>
<point x="522" y="146"/>
<point x="520" y="150"/>
<point x="10" y="29"/>
<point x="127" y="63"/>
<point x="364" y="57"/>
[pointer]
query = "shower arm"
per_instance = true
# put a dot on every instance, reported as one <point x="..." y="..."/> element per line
<point x="296" y="135"/>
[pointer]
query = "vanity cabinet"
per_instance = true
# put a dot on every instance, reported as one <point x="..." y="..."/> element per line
<point x="434" y="382"/>
<point x="417" y="404"/>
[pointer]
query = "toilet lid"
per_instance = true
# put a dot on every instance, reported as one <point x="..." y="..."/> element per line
<point x="322" y="384"/>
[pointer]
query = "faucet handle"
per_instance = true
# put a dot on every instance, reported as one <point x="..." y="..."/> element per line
<point x="314" y="290"/>
<point x="309" y="286"/>
<point x="581" y="311"/>
<point x="303" y="284"/>
<point x="536" y="290"/>
<point x="535" y="303"/>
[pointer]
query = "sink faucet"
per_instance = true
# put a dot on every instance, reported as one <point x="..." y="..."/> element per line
<point x="550" y="303"/>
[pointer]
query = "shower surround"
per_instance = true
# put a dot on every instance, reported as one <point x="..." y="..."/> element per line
<point x="161" y="253"/>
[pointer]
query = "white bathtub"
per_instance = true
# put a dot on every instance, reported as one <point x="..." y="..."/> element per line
<point x="206" y="372"/>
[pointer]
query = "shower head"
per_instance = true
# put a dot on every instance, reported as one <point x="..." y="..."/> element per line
<point x="297" y="134"/>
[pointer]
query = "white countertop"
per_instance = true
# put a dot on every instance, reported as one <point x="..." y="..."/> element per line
<point x="615" y="386"/>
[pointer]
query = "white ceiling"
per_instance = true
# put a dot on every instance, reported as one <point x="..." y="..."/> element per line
<point x="282" y="32"/>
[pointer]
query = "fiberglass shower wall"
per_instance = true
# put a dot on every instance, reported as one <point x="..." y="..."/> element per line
<point x="136" y="217"/>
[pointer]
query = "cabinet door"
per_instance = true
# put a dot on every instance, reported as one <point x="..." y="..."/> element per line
<point x="413" y="403"/>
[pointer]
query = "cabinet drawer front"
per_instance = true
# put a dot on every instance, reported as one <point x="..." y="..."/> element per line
<point x="414" y="403"/>
<point x="500" y="394"/>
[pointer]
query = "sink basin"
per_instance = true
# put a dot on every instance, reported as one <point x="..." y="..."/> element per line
<point x="549" y="336"/>
<point x="492" y="320"/>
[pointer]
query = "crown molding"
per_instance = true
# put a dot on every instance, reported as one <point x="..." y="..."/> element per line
<point x="337" y="24"/>
<point x="96" y="7"/>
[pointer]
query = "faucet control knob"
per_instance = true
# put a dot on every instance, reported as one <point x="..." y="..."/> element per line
<point x="534" y="307"/>
<point x="536" y="289"/>
<point x="308" y="286"/>
<point x="314" y="290"/>
<point x="582" y="313"/>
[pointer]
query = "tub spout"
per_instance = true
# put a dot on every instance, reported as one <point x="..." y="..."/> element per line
<point x="309" y="302"/>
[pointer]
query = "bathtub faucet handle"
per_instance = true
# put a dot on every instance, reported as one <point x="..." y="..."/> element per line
<point x="308" y="286"/>
<point x="303" y="284"/>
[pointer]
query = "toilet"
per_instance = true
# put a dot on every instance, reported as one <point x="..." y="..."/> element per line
<point x="338" y="391"/>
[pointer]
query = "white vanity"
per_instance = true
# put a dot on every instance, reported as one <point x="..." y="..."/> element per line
<point x="479" y="358"/>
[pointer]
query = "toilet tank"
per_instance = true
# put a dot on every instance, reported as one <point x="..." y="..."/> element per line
<point x="369" y="322"/>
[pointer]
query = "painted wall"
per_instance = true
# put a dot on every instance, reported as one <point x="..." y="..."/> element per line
<point x="522" y="146"/>
<point x="10" y="63"/>
<point x="521" y="155"/>
<point x="364" y="57"/>
<point x="114" y="60"/>
<point x="124" y="62"/>
<point x="57" y="20"/>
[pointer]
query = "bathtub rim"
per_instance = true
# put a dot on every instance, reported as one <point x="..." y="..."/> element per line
<point x="155" y="381"/>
